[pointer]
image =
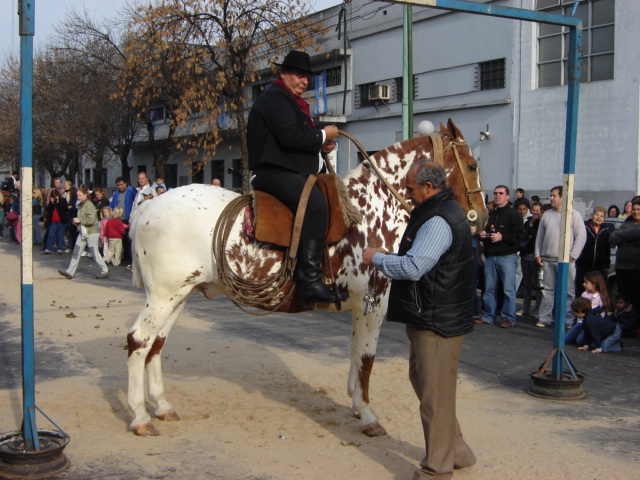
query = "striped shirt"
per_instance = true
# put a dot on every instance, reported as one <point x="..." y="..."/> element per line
<point x="433" y="239"/>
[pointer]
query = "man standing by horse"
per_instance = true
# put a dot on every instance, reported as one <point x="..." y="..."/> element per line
<point x="284" y="150"/>
<point x="431" y="292"/>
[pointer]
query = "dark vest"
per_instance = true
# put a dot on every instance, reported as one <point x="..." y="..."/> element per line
<point x="441" y="300"/>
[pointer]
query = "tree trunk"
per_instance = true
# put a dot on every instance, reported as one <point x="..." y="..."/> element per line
<point x="244" y="151"/>
<point x="125" y="169"/>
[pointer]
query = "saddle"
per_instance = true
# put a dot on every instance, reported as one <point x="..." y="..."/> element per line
<point x="272" y="222"/>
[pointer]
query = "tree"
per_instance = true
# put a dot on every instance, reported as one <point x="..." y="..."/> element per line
<point x="197" y="59"/>
<point x="10" y="110"/>
<point x="100" y="47"/>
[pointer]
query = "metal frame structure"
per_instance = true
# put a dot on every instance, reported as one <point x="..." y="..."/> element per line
<point x="571" y="133"/>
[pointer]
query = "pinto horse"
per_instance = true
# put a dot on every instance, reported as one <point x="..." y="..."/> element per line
<point x="172" y="243"/>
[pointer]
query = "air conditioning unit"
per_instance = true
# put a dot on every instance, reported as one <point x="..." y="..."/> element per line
<point x="382" y="91"/>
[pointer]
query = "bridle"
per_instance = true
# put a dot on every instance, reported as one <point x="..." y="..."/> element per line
<point x="438" y="157"/>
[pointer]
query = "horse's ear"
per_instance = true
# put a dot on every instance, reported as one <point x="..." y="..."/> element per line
<point x="455" y="133"/>
<point x="443" y="129"/>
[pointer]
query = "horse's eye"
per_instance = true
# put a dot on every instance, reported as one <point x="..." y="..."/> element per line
<point x="473" y="168"/>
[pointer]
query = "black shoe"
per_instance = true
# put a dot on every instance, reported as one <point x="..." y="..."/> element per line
<point x="310" y="273"/>
<point x="65" y="274"/>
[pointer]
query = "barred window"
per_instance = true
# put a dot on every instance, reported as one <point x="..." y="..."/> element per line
<point x="334" y="76"/>
<point x="598" y="17"/>
<point x="362" y="95"/>
<point x="491" y="74"/>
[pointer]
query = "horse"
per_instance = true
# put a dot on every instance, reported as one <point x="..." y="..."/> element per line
<point x="172" y="243"/>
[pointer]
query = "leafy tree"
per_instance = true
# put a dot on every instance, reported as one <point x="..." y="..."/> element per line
<point x="100" y="48"/>
<point x="197" y="59"/>
<point x="10" y="110"/>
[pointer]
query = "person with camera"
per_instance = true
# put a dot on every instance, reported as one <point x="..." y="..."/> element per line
<point x="56" y="220"/>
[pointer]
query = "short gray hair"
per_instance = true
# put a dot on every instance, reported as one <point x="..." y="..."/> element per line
<point x="428" y="171"/>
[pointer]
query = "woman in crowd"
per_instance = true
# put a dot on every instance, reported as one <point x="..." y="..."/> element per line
<point x="70" y="195"/>
<point x="13" y="217"/>
<point x="613" y="211"/>
<point x="37" y="203"/>
<point x="101" y="200"/>
<point x="529" y="267"/>
<point x="627" y="239"/>
<point x="87" y="221"/>
<point x="56" y="218"/>
<point x="596" y="254"/>
<point x="627" y="210"/>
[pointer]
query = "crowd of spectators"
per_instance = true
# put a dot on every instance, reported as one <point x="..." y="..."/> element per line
<point x="591" y="245"/>
<point x="519" y="255"/>
<point x="58" y="226"/>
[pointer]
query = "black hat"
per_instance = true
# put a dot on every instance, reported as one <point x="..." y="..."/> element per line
<point x="298" y="60"/>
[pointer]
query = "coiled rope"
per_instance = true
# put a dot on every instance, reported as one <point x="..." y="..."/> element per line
<point x="268" y="294"/>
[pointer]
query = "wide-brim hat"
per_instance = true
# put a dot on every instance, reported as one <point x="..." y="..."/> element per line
<point x="298" y="60"/>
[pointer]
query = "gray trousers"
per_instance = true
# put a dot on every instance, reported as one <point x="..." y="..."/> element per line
<point x="550" y="268"/>
<point x="92" y="241"/>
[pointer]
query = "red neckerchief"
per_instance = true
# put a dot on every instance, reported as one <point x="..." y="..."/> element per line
<point x="302" y="103"/>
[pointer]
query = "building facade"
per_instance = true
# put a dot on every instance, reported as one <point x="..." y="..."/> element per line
<point x="502" y="81"/>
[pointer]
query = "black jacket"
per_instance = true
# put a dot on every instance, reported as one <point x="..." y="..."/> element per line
<point x="508" y="222"/>
<point x="441" y="300"/>
<point x="596" y="254"/>
<point x="280" y="135"/>
<point x="528" y="245"/>
<point x="627" y="239"/>
<point x="62" y="209"/>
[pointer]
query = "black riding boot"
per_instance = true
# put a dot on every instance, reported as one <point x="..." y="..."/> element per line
<point x="309" y="274"/>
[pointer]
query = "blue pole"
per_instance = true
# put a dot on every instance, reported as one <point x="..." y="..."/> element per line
<point x="571" y="134"/>
<point x="26" y="12"/>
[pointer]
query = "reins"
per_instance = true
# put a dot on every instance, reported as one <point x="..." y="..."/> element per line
<point x="375" y="167"/>
<point x="438" y="157"/>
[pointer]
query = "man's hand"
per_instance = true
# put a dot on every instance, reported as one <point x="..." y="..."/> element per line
<point x="539" y="261"/>
<point x="328" y="146"/>
<point x="368" y="253"/>
<point x="331" y="132"/>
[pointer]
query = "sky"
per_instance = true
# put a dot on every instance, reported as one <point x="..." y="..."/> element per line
<point x="49" y="13"/>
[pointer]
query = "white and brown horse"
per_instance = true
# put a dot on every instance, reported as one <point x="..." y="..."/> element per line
<point x="172" y="244"/>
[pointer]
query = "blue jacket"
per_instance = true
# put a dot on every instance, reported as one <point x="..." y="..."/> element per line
<point x="130" y="195"/>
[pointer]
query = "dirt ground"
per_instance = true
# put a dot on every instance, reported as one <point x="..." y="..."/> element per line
<point x="258" y="406"/>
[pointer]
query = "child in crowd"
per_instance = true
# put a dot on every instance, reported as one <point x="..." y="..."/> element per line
<point x="595" y="291"/>
<point x="105" y="214"/>
<point x="114" y="232"/>
<point x="601" y="334"/>
<point x="627" y="317"/>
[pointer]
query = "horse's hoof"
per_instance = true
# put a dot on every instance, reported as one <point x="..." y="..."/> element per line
<point x="373" y="430"/>
<point x="170" y="416"/>
<point x="146" y="430"/>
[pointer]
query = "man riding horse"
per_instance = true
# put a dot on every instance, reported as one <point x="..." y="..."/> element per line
<point x="284" y="150"/>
